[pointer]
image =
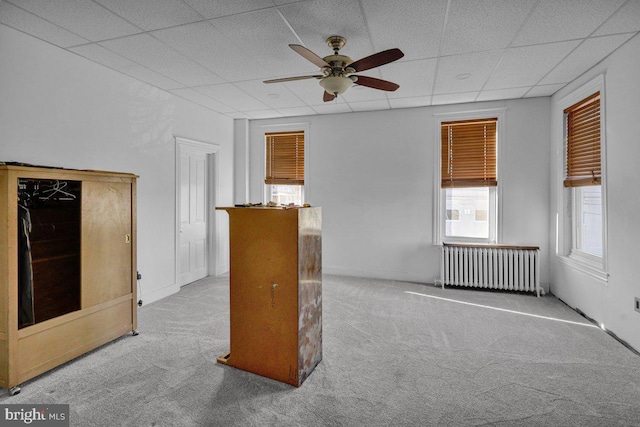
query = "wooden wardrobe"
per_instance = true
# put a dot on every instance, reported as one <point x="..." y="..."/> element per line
<point x="67" y="266"/>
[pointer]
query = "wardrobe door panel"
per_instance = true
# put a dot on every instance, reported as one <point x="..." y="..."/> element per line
<point x="106" y="241"/>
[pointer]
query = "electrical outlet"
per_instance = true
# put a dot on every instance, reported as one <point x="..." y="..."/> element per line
<point x="637" y="304"/>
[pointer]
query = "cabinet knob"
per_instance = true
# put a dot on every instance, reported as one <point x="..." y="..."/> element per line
<point x="127" y="238"/>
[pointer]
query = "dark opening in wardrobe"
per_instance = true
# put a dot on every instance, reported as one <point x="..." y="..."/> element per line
<point x="48" y="249"/>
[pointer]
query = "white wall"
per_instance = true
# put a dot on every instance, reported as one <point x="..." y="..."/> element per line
<point x="59" y="109"/>
<point x="609" y="303"/>
<point x="373" y="174"/>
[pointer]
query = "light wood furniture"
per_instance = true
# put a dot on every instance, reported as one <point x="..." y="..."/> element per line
<point x="84" y="263"/>
<point x="275" y="292"/>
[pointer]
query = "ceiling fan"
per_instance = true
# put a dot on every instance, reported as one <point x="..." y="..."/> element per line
<point x="337" y="70"/>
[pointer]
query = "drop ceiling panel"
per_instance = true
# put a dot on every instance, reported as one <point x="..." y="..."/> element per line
<point x="332" y="108"/>
<point x="584" y="57"/>
<point x="217" y="53"/>
<point x="627" y="18"/>
<point x="316" y="20"/>
<point x="211" y="48"/>
<point x="453" y="98"/>
<point x="201" y="99"/>
<point x="264" y="37"/>
<point x="116" y="62"/>
<point x="264" y="114"/>
<point x="417" y="101"/>
<point x="543" y="90"/>
<point x="232" y="96"/>
<point x="214" y="9"/>
<point x="492" y="95"/>
<point x="166" y="13"/>
<point x="274" y="95"/>
<point x="152" y="53"/>
<point x="414" y="77"/>
<point x="369" y="105"/>
<point x="357" y="93"/>
<point x="238" y="115"/>
<point x="25" y="21"/>
<point x="84" y="18"/>
<point x="525" y="66"/>
<point x="476" y="67"/>
<point x="297" y="111"/>
<point x="554" y="20"/>
<point x="309" y="91"/>
<point x="414" y="26"/>
<point x="483" y="25"/>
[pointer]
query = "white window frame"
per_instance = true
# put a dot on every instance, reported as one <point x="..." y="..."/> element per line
<point x="567" y="222"/>
<point x="288" y="127"/>
<point x="439" y="198"/>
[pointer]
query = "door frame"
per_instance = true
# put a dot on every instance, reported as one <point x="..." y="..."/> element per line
<point x="212" y="152"/>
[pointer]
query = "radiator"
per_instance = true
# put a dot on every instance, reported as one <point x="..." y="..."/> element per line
<point x="504" y="267"/>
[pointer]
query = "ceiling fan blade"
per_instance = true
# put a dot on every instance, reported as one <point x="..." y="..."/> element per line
<point x="288" y="79"/>
<point x="377" y="59"/>
<point x="328" y="96"/>
<point x="309" y="56"/>
<point x="376" y="83"/>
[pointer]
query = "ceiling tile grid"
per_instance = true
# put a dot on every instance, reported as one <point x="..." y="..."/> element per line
<point x="217" y="53"/>
<point x="585" y="56"/>
<point x="525" y="66"/>
<point x="166" y="13"/>
<point x="87" y="19"/>
<point x="497" y="21"/>
<point x="22" y="20"/>
<point x="109" y="59"/>
<point x="554" y="20"/>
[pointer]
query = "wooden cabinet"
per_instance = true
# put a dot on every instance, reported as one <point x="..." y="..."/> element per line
<point x="275" y="292"/>
<point x="67" y="265"/>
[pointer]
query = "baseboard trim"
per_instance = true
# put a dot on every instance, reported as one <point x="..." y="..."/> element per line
<point x="376" y="274"/>
<point x="158" y="294"/>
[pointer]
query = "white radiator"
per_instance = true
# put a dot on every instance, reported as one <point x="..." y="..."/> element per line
<point x="514" y="268"/>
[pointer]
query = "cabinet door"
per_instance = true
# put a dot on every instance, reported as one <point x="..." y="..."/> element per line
<point x="106" y="241"/>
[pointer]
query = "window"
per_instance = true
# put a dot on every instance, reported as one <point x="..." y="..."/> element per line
<point x="468" y="179"/>
<point x="583" y="175"/>
<point x="284" y="177"/>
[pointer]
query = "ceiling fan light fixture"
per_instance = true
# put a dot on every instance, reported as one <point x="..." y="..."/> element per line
<point x="336" y="84"/>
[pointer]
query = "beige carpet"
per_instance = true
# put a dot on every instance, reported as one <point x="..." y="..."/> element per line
<point x="395" y="353"/>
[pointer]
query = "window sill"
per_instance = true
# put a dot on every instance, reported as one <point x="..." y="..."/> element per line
<point x="584" y="266"/>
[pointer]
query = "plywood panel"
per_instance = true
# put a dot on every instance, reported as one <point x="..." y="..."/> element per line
<point x="310" y="291"/>
<point x="4" y="363"/>
<point x="5" y="258"/>
<point x="44" y="350"/>
<point x="106" y="241"/>
<point x="264" y="292"/>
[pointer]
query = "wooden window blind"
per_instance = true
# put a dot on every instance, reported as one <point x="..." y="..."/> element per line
<point x="469" y="153"/>
<point x="285" y="158"/>
<point x="583" y="165"/>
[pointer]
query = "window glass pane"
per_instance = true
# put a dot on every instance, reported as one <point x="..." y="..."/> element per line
<point x="472" y="206"/>
<point x="286" y="194"/>
<point x="453" y="214"/>
<point x="590" y="199"/>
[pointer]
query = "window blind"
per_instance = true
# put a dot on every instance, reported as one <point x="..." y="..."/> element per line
<point x="285" y="158"/>
<point x="469" y="153"/>
<point x="583" y="166"/>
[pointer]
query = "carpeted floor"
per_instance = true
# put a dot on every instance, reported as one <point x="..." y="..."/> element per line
<point x="394" y="353"/>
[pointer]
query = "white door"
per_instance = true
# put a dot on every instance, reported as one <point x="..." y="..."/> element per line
<point x="193" y="215"/>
